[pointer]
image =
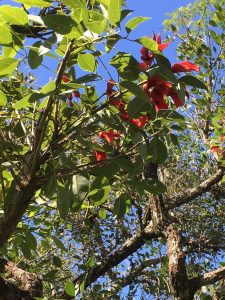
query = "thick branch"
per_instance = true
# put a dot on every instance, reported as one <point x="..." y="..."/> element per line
<point x="129" y="247"/>
<point x="29" y="281"/>
<point x="17" y="209"/>
<point x="177" y="268"/>
<point x="195" y="192"/>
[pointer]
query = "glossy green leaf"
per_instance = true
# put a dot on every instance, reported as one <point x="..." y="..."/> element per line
<point x="63" y="25"/>
<point x="137" y="106"/>
<point x="134" y="23"/>
<point x="126" y="65"/>
<point x="72" y="4"/>
<point x="77" y="186"/>
<point x="154" y="186"/>
<point x="47" y="45"/>
<point x="57" y="261"/>
<point x="169" y="114"/>
<point x="63" y="200"/>
<point x="34" y="59"/>
<point x="135" y="90"/>
<point x="28" y="100"/>
<point x="114" y="11"/>
<point x="87" y="62"/>
<point x="48" y="189"/>
<point x="192" y="81"/>
<point x="14" y="15"/>
<point x="91" y="261"/>
<point x="120" y="205"/>
<point x="5" y="36"/>
<point x="3" y="99"/>
<point x="162" y="72"/>
<point x="7" y="65"/>
<point x="84" y="12"/>
<point x="142" y="148"/>
<point x="70" y="288"/>
<point x="31" y="241"/>
<point x="158" y="150"/>
<point x="180" y="91"/>
<point x="215" y="37"/>
<point x="99" y="190"/>
<point x="35" y="3"/>
<point x="148" y="43"/>
<point x="58" y="243"/>
<point x="26" y="250"/>
<point x="111" y="41"/>
<point x="102" y="213"/>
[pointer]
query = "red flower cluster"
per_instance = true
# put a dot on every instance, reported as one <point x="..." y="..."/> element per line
<point x="216" y="148"/>
<point x="109" y="136"/>
<point x="70" y="97"/>
<point x="148" y="57"/>
<point x="160" y="88"/>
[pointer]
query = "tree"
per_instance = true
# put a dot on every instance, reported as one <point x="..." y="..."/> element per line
<point x="118" y="194"/>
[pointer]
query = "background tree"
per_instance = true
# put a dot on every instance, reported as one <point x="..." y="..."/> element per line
<point x="107" y="191"/>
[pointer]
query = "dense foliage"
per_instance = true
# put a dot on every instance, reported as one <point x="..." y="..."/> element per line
<point x="111" y="187"/>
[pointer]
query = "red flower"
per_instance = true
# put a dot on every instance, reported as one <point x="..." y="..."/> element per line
<point x="70" y="97"/>
<point x="184" y="66"/>
<point x="221" y="139"/>
<point x="100" y="155"/>
<point x="160" y="105"/>
<point x="116" y="102"/>
<point x="143" y="66"/>
<point x="214" y="148"/>
<point x="76" y="94"/>
<point x="94" y="107"/>
<point x="109" y="136"/>
<point x="65" y="79"/>
<point x="110" y="85"/>
<point x="147" y="57"/>
<point x="71" y="103"/>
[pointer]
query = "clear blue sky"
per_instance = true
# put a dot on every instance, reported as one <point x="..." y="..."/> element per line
<point x="156" y="10"/>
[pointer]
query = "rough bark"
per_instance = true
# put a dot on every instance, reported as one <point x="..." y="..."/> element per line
<point x="177" y="269"/>
<point x="16" y="210"/>
<point x="220" y="292"/>
<point x="29" y="281"/>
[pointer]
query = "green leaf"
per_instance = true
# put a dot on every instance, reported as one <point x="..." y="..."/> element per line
<point x="114" y="11"/>
<point x="137" y="106"/>
<point x="34" y="59"/>
<point x="3" y="99"/>
<point x="28" y="99"/>
<point x="150" y="44"/>
<point x="91" y="261"/>
<point x="58" y="243"/>
<point x="126" y="65"/>
<point x="47" y="45"/>
<point x="31" y="241"/>
<point x="158" y="150"/>
<point x="72" y="4"/>
<point x="48" y="189"/>
<point x="135" y="90"/>
<point x="192" y="81"/>
<point x="111" y="41"/>
<point x="5" y="36"/>
<point x="7" y="65"/>
<point x="99" y="190"/>
<point x="49" y="89"/>
<point x="87" y="62"/>
<point x="120" y="205"/>
<point x="180" y="91"/>
<point x="63" y="25"/>
<point x="70" y="289"/>
<point x="162" y="72"/>
<point x="57" y="261"/>
<point x="215" y="37"/>
<point x="154" y="186"/>
<point x="35" y="3"/>
<point x="26" y="250"/>
<point x="142" y="148"/>
<point x="134" y="23"/>
<point x="161" y="58"/>
<point x="14" y="15"/>
<point x="102" y="213"/>
<point x="84" y="12"/>
<point x="169" y="114"/>
<point x="77" y="186"/>
<point x="63" y="200"/>
<point x="124" y="163"/>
